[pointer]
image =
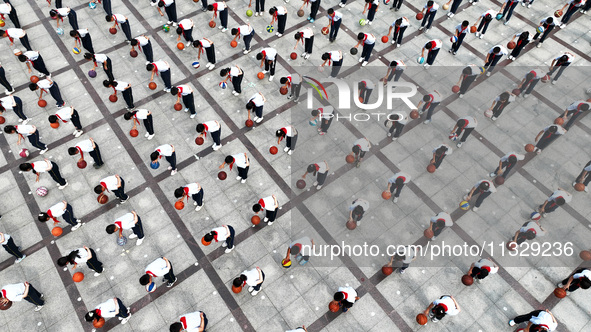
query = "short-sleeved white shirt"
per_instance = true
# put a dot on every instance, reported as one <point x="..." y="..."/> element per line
<point x="157" y="268"/>
<point x="449" y="305"/>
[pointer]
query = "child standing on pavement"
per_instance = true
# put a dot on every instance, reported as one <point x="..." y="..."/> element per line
<point x="360" y="147"/>
<point x="439" y="222"/>
<point x="242" y="165"/>
<point x="270" y="205"/>
<point x="129" y="221"/>
<point x="293" y="81"/>
<point x="357" y="209"/>
<point x="125" y="89"/>
<point x="529" y="82"/>
<point x="68" y="114"/>
<point x="161" y="68"/>
<point x="546" y="136"/>
<point x="320" y="170"/>
<point x="48" y="85"/>
<point x="115" y="184"/>
<point x="166" y="150"/>
<point x="146" y="116"/>
<point x="464" y="125"/>
<point x="60" y="209"/>
<point x="397" y="182"/>
<point x="558" y="198"/>
<point x="234" y="74"/>
<point x="80" y="256"/>
<point x="111" y="308"/>
<point x="8" y="244"/>
<point x="483" y="189"/>
<point x="499" y="104"/>
<point x="291" y="136"/>
<point x="253" y="278"/>
<point x="223" y="233"/>
<point x="28" y="131"/>
<point x="439" y="153"/>
<point x="431" y="101"/>
<point x="161" y="267"/>
<point x="193" y="190"/>
<point x="507" y="163"/>
<point x="215" y="130"/>
<point x="209" y="47"/>
<point x="185" y="92"/>
<point x="324" y="115"/>
<point x="48" y="166"/>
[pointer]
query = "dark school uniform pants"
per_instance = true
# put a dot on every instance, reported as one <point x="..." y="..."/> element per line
<point x="54" y="90"/>
<point x="483" y="26"/>
<point x="438" y="227"/>
<point x="258" y="287"/>
<point x="120" y="192"/>
<point x="258" y="111"/>
<point x="492" y="62"/>
<point x="148" y="52"/>
<point x="456" y="46"/>
<point x="560" y="69"/>
<point x="321" y="177"/>
<point x="295" y="90"/>
<point x="123" y="312"/>
<point x="569" y="12"/>
<point x="39" y="65"/>
<point x="430" y="110"/>
<point x="236" y="81"/>
<point x="86" y="42"/>
<point x="483" y="195"/>
<point x="397" y="3"/>
<point x="25" y="42"/>
<point x="498" y="109"/>
<point x="69" y="216"/>
<point x="198" y="197"/>
<point x="76" y="120"/>
<point x="429" y="16"/>
<point x="398" y="34"/>
<point x="3" y="80"/>
<point x="270" y="67"/>
<point x="367" y="49"/>
<point x="230" y="239"/>
<point x="128" y="97"/>
<point x="170" y="277"/>
<point x="224" y="18"/>
<point x="243" y="172"/>
<point x="216" y="136"/>
<point x="96" y="155"/>
<point x="290" y="142"/>
<point x="93" y="263"/>
<point x="574" y="115"/>
<point x="334" y="29"/>
<point x="509" y="10"/>
<point x="395" y="74"/>
<point x="529" y="86"/>
<point x="281" y="22"/>
<point x="204" y="4"/>
<point x="335" y="69"/>
<point x="525" y="318"/>
<point x="171" y="12"/>
<point x="466" y="82"/>
<point x="550" y="207"/>
<point x="34" y="140"/>
<point x="508" y="167"/>
<point x="467" y="133"/>
<point x="545" y="141"/>
<point x="165" y="75"/>
<point x="365" y="93"/>
<point x="259" y="6"/>
<point x="371" y="12"/>
<point x="210" y="53"/>
<point x="109" y="69"/>
<point x="34" y="297"/>
<point x="545" y="34"/>
<point x="106" y="7"/>
<point x="431" y="56"/>
<point x="439" y="160"/>
<point x="587" y="178"/>
<point x="314" y="9"/>
<point x="18" y="109"/>
<point x="396" y="129"/>
<point x="271" y="215"/>
<point x="517" y="50"/>
<point x="171" y="160"/>
<point x="247" y="40"/>
<point x="357" y="216"/>
<point x="126" y="30"/>
<point x="396" y="187"/>
<point x="73" y="19"/>
<point x="189" y="102"/>
<point x="188" y="35"/>
<point x="308" y="44"/>
<point x="14" y="17"/>
<point x="55" y="174"/>
<point x="12" y="249"/>
<point x="454" y="6"/>
<point x="149" y="123"/>
<point x="325" y="124"/>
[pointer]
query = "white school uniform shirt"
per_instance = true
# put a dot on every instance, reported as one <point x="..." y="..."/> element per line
<point x="561" y="193"/>
<point x="252" y="277"/>
<point x="6" y="238"/>
<point x="409" y="253"/>
<point x="211" y="126"/>
<point x="191" y="322"/>
<point x="14" y="292"/>
<point x="307" y="32"/>
<point x="240" y="160"/>
<point x="472" y="123"/>
<point x="100" y="58"/>
<point x="280" y="10"/>
<point x="110" y="182"/>
<point x="168" y="2"/>
<point x="257" y="99"/>
<point x="491" y="187"/>
<point x="445" y="216"/>
<point x="82" y="256"/>
<point x="405" y="22"/>
<point x="305" y="244"/>
<point x="120" y="18"/>
<point x="571" y="2"/>
<point x="543" y="22"/>
<point x="25" y="130"/>
<point x="294" y="78"/>
<point x="369" y="39"/>
<point x="269" y="53"/>
<point x="326" y="112"/>
<point x="42" y="166"/>
<point x="461" y="29"/>
<point x="574" y="106"/>
<point x="204" y="43"/>
<point x="108" y="309"/>
<point x="222" y="233"/>
<point x="517" y="155"/>
<point x="532" y="225"/>
<point x="350" y="293"/>
<point x="432" y="8"/>
<point x="161" y="65"/>
<point x="186" y="24"/>
<point x="234" y="71"/>
<point x="121" y="86"/>
<point x="289" y="131"/>
<point x="157" y="268"/>
<point x="400" y="65"/>
<point x="570" y="57"/>
<point x="267" y="203"/>
<point x="7" y="102"/>
<point x="192" y="188"/>
<point x="57" y="210"/>
<point x="583" y="274"/>
<point x="435" y="97"/>
<point x="588" y="168"/>
<point x="559" y="131"/>
<point x="126" y="221"/>
<point x="44" y="84"/>
<point x="322" y="167"/>
<point x="449" y="149"/>
<point x="141" y="114"/>
<point x="142" y="40"/>
<point x="245" y="30"/>
<point x="359" y="202"/>
<point x="15" y="33"/>
<point x="335" y="55"/>
<point x="299" y="329"/>
<point x="438" y="44"/>
<point x="165" y="150"/>
<point x="63" y="11"/>
<point x="185" y="89"/>
<point x="5" y="8"/>
<point x="544" y="318"/>
<point x="363" y="144"/>
<point x="64" y="114"/>
<point x="510" y="100"/>
<point x="487" y="264"/>
<point x="219" y="6"/>
<point x="31" y="55"/>
<point x="82" y="32"/>
<point x="85" y="146"/>
<point x="404" y="117"/>
<point x="501" y="53"/>
<point x="449" y="305"/>
<point x="337" y="16"/>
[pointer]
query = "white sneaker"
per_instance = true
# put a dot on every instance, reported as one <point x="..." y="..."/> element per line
<point x="150" y="137"/>
<point x="224" y="244"/>
<point x="77" y="133"/>
<point x="553" y="82"/>
<point x="481" y="36"/>
<point x="360" y="60"/>
<point x="286" y="149"/>
<point x="459" y="145"/>
<point x="426" y="121"/>
<point x="216" y="147"/>
<point x="39" y="307"/>
<point x="20" y="259"/>
<point x="364" y="64"/>
<point x="397" y="45"/>
<point x="224" y="29"/>
<point x="265" y="219"/>
<point x="256" y="14"/>
<point x="307" y="56"/>
<point x="395" y="200"/>
<point x="173" y="172"/>
<point x="243" y="181"/>
<point x="477" y="34"/>
<point x="228" y="250"/>
<point x="258" y="120"/>
<point x="279" y="35"/>
<point x="254" y="293"/>
<point x="427" y="65"/>
<point x="96" y="274"/>
<point x="74" y="228"/>
<point x="304" y="54"/>
<point x="132" y="236"/>
<point x="43" y="151"/>
<point x="198" y="207"/>
<point x="393" y="42"/>
<point x="124" y="320"/>
<point x="146" y="135"/>
<point x="250" y="289"/>
<point x="318" y="187"/>
<point x="62" y="187"/>
<point x="512" y="323"/>
<point x="451" y="15"/>
<point x="289" y="152"/>
<point x="246" y="52"/>
<point x="25" y="121"/>
<point x="474" y="209"/>
<point x="492" y="175"/>
<point x="270" y="78"/>
<point x="421" y="28"/>
<point x="139" y="241"/>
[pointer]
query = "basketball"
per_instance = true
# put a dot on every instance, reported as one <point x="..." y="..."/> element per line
<point x="579" y="187"/>
<point x="205" y="243"/>
<point x="34" y="79"/>
<point x="455" y="89"/>
<point x="233" y="43"/>
<point x="545" y="79"/>
<point x="249" y="123"/>
<point x="464" y="205"/>
<point x="467" y="280"/>
<point x="236" y="290"/>
<point x="98" y="323"/>
<point x="270" y="29"/>
<point x="78" y="276"/>
<point x="529" y="148"/>
<point x="76" y="50"/>
<point x="428" y="233"/>
<point x="154" y="164"/>
<point x="535" y="216"/>
<point x="180" y="46"/>
<point x="179" y="205"/>
<point x="387" y="270"/>
<point x="82" y="164"/>
<point x="511" y="45"/>
<point x="121" y="240"/>
<point x="445" y="6"/>
<point x="540" y="29"/>
<point x="260" y="75"/>
<point x="386" y="195"/>
<point x="255" y="220"/>
<point x="559" y="121"/>
<point x="223" y="85"/>
<point x="57" y="231"/>
<point x="362" y="22"/>
<point x="283" y="90"/>
<point x="473" y="29"/>
<point x="353" y="51"/>
<point x="6" y="306"/>
<point x="249" y="13"/>
<point x="414" y="114"/>
<point x="113" y="31"/>
<point x="195" y="64"/>
<point x="499" y="180"/>
<point x="151" y="287"/>
<point x="286" y="263"/>
<point x="420" y="16"/>
<point x="511" y="245"/>
<point x="152" y="86"/>
<point x="212" y="24"/>
<point x="133" y="53"/>
<point x="324" y="31"/>
<point x="453" y="39"/>
<point x="585" y="255"/>
<point x="301" y="184"/>
<point x="300" y="13"/>
<point x="431" y="168"/>
<point x="113" y="98"/>
<point x="222" y="175"/>
<point x="199" y="140"/>
<point x="499" y="16"/>
<point x="334" y="306"/>
<point x="178" y="106"/>
<point x="42" y="103"/>
<point x="24" y="153"/>
<point x="2" y="23"/>
<point x="54" y="125"/>
<point x="361" y="100"/>
<point x="59" y="31"/>
<point x="350" y="159"/>
<point x="488" y="113"/>
<point x="293" y="55"/>
<point x="134" y="133"/>
<point x="102" y="199"/>
<point x="92" y="73"/>
<point x="273" y="150"/>
<point x="559" y="293"/>
<point x="422" y="319"/>
<point x="558" y="13"/>
<point x="351" y="225"/>
<point x="41" y="191"/>
<point x="385" y="39"/>
<point x="516" y="92"/>
<point x="166" y="28"/>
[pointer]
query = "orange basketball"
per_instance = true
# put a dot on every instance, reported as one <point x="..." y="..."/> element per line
<point x="431" y="168"/>
<point x="205" y="243"/>
<point x="199" y="140"/>
<point x="473" y="29"/>
<point x="178" y="106"/>
<point x="560" y="293"/>
<point x="559" y="121"/>
<point x="420" y="16"/>
<point x="152" y="86"/>
<point x="579" y="187"/>
<point x="249" y="123"/>
<point x="455" y="89"/>
<point x="98" y="323"/>
<point x="78" y="276"/>
<point x="422" y="319"/>
<point x="585" y="255"/>
<point x="386" y="194"/>
<point x="499" y="180"/>
<point x="102" y="199"/>
<point x="112" y="31"/>
<point x="236" y="289"/>
<point x="350" y="159"/>
<point x="414" y="114"/>
<point x="387" y="270"/>
<point x="260" y="75"/>
<point x="134" y="133"/>
<point x="334" y="306"/>
<point x="42" y="103"/>
<point x="361" y="100"/>
<point x="467" y="280"/>
<point x="511" y="45"/>
<point x="384" y="39"/>
<point x="273" y="150"/>
<point x="212" y="24"/>
<point x="283" y="90"/>
<point x="351" y="225"/>
<point x="179" y="205"/>
<point x="255" y="220"/>
<point x="180" y="46"/>
<point x="2" y="120"/>
<point x="34" y="79"/>
<point x="511" y="245"/>
<point x="233" y="43"/>
<point x="54" y="125"/>
<point x="529" y="148"/>
<point x="428" y="234"/>
<point x="113" y="98"/>
<point x="57" y="231"/>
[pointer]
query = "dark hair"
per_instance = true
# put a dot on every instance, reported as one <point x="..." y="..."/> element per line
<point x="179" y="30"/>
<point x="283" y="80"/>
<point x="330" y="11"/>
<point x="338" y="296"/>
<point x="9" y="129"/>
<point x="358" y="209"/>
<point x="529" y="76"/>
<point x="22" y="58"/>
<point x="512" y="159"/>
<point x="149" y="67"/>
<point x="585" y="283"/>
<point x="479" y="273"/>
<point x="311" y="169"/>
<point x="295" y="249"/>
<point x="438" y="311"/>
<point x="33" y="86"/>
<point x="111" y="229"/>
<point x="63" y="261"/>
<point x="524" y="35"/>
<point x="325" y="56"/>
<point x="109" y="18"/>
<point x="88" y="56"/>
<point x="488" y="17"/>
<point x="243" y="277"/>
<point x="250" y="105"/>
<point x="43" y="217"/>
<point x="210" y="8"/>
<point x="393" y="63"/>
<point x="504" y="96"/>
<point x="314" y="112"/>
<point x="484" y="186"/>
<point x="297" y="36"/>
<point x="467" y="70"/>
<point x="465" y="23"/>
<point x="154" y="155"/>
<point x="52" y="118"/>
<point x="176" y="327"/>
<point x="99" y="189"/>
<point x="134" y="42"/>
<point x="426" y="98"/>
<point x="129" y="115"/>
<point x="429" y="45"/>
<point x="53" y="13"/>
<point x="228" y="159"/>
<point x="196" y="43"/>
<point x="234" y="31"/>
<point x="178" y="192"/>
<point x="461" y="123"/>
<point x="398" y="21"/>
<point x="174" y="91"/>
<point x="273" y="10"/>
<point x="496" y="49"/>
<point x="430" y="3"/>
<point x="72" y="151"/>
<point x="549" y="20"/>
<point x="280" y="133"/>
<point x="200" y="128"/>
<point x="73" y="33"/>
<point x="560" y="201"/>
<point x="257" y="207"/>
<point x="25" y="167"/>
<point x="440" y="151"/>
<point x="260" y="56"/>
<point x="584" y="107"/>
<point x="145" y="279"/>
<point x="355" y="149"/>
<point x="553" y="128"/>
<point x="399" y="181"/>
<point x="563" y="58"/>
<point x="530" y="235"/>
<point x="360" y="36"/>
<point x="91" y="315"/>
<point x="209" y="236"/>
<point x="237" y="282"/>
<point x="224" y="72"/>
<point x="107" y="83"/>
